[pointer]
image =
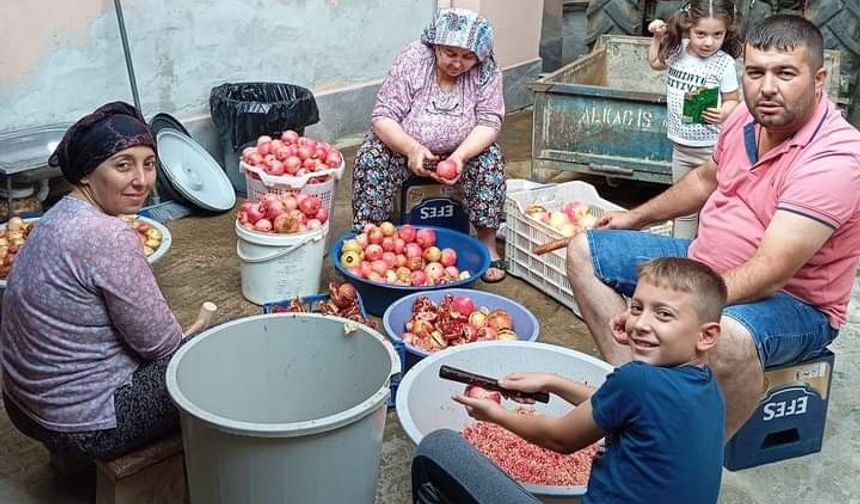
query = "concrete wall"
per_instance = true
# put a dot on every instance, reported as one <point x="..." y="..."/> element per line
<point x="59" y="60"/>
<point x="517" y="26"/>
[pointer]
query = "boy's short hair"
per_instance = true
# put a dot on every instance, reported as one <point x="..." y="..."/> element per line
<point x="786" y="32"/>
<point x="687" y="275"/>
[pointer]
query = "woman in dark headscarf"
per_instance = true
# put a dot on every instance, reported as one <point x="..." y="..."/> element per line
<point x="442" y="99"/>
<point x="86" y="332"/>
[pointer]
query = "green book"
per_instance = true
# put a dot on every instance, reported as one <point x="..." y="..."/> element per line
<point x="696" y="101"/>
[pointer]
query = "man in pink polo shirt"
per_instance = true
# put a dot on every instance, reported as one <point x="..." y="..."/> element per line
<point x="780" y="221"/>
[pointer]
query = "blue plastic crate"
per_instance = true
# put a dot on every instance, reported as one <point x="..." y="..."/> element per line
<point x="790" y="419"/>
<point x="425" y="202"/>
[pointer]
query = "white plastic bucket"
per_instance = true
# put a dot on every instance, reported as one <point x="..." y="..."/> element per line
<point x="283" y="408"/>
<point x="279" y="266"/>
<point x="424" y="401"/>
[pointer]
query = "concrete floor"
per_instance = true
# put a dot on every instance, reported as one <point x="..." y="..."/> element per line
<point x="202" y="266"/>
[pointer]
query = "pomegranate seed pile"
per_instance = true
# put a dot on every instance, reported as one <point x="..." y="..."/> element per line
<point x="529" y="463"/>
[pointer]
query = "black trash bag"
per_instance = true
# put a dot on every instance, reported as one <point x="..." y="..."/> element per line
<point x="244" y="111"/>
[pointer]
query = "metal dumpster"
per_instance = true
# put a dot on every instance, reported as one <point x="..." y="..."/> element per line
<point x="605" y="113"/>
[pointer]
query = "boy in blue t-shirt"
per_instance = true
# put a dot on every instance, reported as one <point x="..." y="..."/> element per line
<point x="662" y="414"/>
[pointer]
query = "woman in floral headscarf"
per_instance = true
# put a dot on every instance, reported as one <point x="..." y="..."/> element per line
<point x="442" y="99"/>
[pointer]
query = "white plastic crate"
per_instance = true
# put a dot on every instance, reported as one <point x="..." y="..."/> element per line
<point x="263" y="183"/>
<point x="548" y="272"/>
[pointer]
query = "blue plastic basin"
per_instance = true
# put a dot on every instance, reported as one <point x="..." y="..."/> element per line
<point x="472" y="256"/>
<point x="394" y="320"/>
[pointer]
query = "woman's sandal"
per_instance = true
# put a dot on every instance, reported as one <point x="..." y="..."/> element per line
<point x="499" y="264"/>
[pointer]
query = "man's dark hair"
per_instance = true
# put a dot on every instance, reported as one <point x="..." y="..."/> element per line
<point x="786" y="32"/>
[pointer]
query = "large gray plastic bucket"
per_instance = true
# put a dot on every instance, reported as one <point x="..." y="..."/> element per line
<point x="283" y="408"/>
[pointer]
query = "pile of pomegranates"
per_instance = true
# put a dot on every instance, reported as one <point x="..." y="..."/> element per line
<point x="454" y="321"/>
<point x="400" y="256"/>
<point x="574" y="217"/>
<point x="12" y="238"/>
<point x="291" y="155"/>
<point x="275" y="213"/>
<point x="150" y="237"/>
<point x="342" y="302"/>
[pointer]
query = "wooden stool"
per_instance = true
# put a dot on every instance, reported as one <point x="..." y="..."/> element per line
<point x="154" y="474"/>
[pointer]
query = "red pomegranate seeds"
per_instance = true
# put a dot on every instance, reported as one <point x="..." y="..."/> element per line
<point x="529" y="463"/>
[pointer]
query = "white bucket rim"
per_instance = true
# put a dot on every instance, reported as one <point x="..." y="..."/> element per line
<point x="279" y="239"/>
<point x="416" y="436"/>
<point x="284" y="429"/>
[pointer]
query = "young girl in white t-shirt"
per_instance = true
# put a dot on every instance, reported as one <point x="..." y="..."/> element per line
<point x="698" y="45"/>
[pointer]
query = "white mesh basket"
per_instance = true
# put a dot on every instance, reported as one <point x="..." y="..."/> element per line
<point x="283" y="185"/>
<point x="548" y="272"/>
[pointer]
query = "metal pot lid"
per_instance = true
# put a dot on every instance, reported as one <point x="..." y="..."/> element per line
<point x="193" y="172"/>
<point x="161" y="121"/>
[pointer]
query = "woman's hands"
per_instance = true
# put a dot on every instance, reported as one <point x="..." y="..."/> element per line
<point x="416" y="157"/>
<point x="457" y="160"/>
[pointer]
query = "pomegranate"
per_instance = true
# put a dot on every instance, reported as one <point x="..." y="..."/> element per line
<point x="254" y="159"/>
<point x="486" y="333"/>
<point x="388" y="244"/>
<point x="399" y="245"/>
<point x="500" y="320"/>
<point x="434" y="271"/>
<point x="432" y="254"/>
<point x="448" y="257"/>
<point x="263" y="225"/>
<point x="389" y="258"/>
<point x="310" y="206"/>
<point x="333" y="159"/>
<point x="256" y="212"/>
<point x="361" y="238"/>
<point x="364" y="269"/>
<point x="447" y="169"/>
<point x="292" y="165"/>
<point x="375" y="235"/>
<point x="452" y="273"/>
<point x="379" y="266"/>
<point x="400" y="260"/>
<point x="415" y="263"/>
<point x="425" y="238"/>
<point x="387" y="228"/>
<point x="373" y="252"/>
<point x="464" y="305"/>
<point x="322" y="214"/>
<point x="413" y="250"/>
<point x="289" y="136"/>
<point x="275" y="208"/>
<point x="419" y="277"/>
<point x="351" y="245"/>
<point x="476" y="392"/>
<point x="313" y="224"/>
<point x="478" y="318"/>
<point x="407" y="233"/>
<point x="350" y="259"/>
<point x="290" y="203"/>
<point x="404" y="275"/>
